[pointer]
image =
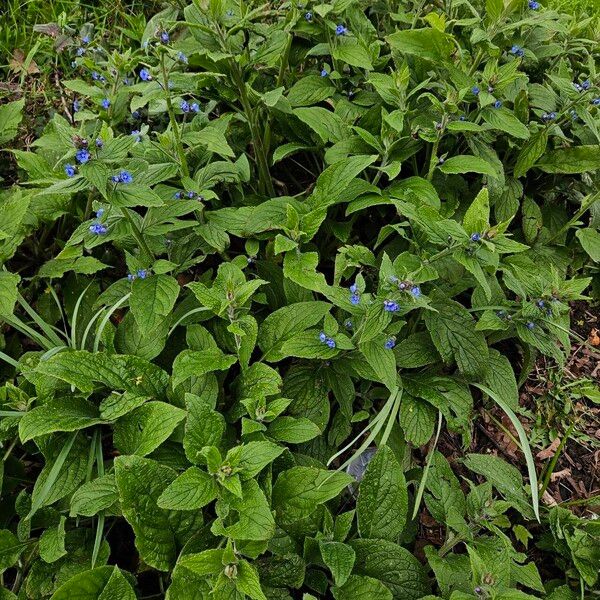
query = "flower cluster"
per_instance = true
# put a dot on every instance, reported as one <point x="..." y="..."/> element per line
<point x="139" y="274"/>
<point x="325" y="339"/>
<point x="354" y="294"/>
<point x="186" y="107"/>
<point x="122" y="177"/>
<point x="390" y="306"/>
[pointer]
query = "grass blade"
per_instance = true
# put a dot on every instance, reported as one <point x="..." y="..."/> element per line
<point x="533" y="480"/>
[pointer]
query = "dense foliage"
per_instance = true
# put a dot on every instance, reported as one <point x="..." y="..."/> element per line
<point x="274" y="251"/>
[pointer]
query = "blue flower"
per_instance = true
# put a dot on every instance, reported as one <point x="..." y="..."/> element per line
<point x="191" y="195"/>
<point x="596" y="101"/>
<point x="390" y="343"/>
<point x="577" y="86"/>
<point x="549" y="116"/>
<point x="95" y="76"/>
<point x="82" y="156"/>
<point x="390" y="306"/>
<point x="145" y="75"/>
<point x="415" y="290"/>
<point x="355" y="299"/>
<point x="138" y="136"/>
<point x="325" y="339"/>
<point x="341" y="30"/>
<point x="530" y="325"/>
<point x="98" y="228"/>
<point x="323" y="336"/>
<point x="324" y="73"/>
<point x="517" y="50"/>
<point x="70" y="170"/>
<point x="105" y="103"/>
<point x="475" y="237"/>
<point x="164" y="37"/>
<point x="540" y="303"/>
<point x="99" y="143"/>
<point x="114" y="178"/>
<point x="182" y="57"/>
<point x="533" y="5"/>
<point x="177" y="195"/>
<point x="330" y="343"/>
<point x="308" y="16"/>
<point x="586" y="85"/>
<point x="498" y="104"/>
<point x="99" y="213"/>
<point x="142" y="273"/>
<point x="195" y="107"/>
<point x="574" y="114"/>
<point x="86" y="39"/>
<point x="130" y="276"/>
<point x="348" y="324"/>
<point x="354" y="288"/>
<point x="76" y="106"/>
<point x="135" y="114"/>
<point x="80" y="51"/>
<point x="229" y="13"/>
<point x="125" y="177"/>
<point x="185" y="107"/>
<point x="126" y="81"/>
<point x="475" y="90"/>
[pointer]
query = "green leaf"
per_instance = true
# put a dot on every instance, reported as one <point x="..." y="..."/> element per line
<point x="301" y="268"/>
<point x="339" y="558"/>
<point x="505" y="120"/>
<point x="299" y="490"/>
<point x="351" y="51"/>
<point x="578" y="159"/>
<point x="52" y="542"/>
<point x="146" y="428"/>
<point x="382" y="504"/>
<point x="247" y="581"/>
<point x="253" y="457"/>
<point x="209" y="562"/>
<point x="362" y="588"/>
<point x="203" y="427"/>
<point x="115" y="371"/>
<point x="192" y="490"/>
<point x="94" y="496"/>
<point x="393" y="565"/>
<point x="293" y="430"/>
<point x="452" y="330"/>
<point x="428" y="43"/>
<point x="10" y="549"/>
<point x="335" y="179"/>
<point x="8" y="292"/>
<point x="325" y="123"/>
<point x="284" y="323"/>
<point x="152" y="300"/>
<point x="465" y="163"/>
<point x="192" y="363"/>
<point x="103" y="583"/>
<point x="140" y="483"/>
<point x="62" y="414"/>
<point x="530" y="152"/>
<point x="477" y="217"/>
<point x="589" y="239"/>
<point x="382" y="360"/>
<point x="11" y="115"/>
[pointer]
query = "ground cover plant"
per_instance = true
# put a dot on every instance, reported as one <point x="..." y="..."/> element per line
<point x="273" y="277"/>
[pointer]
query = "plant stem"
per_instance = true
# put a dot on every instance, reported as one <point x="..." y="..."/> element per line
<point x="174" y="125"/>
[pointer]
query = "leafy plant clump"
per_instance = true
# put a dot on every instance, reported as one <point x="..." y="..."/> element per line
<point x="259" y="267"/>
